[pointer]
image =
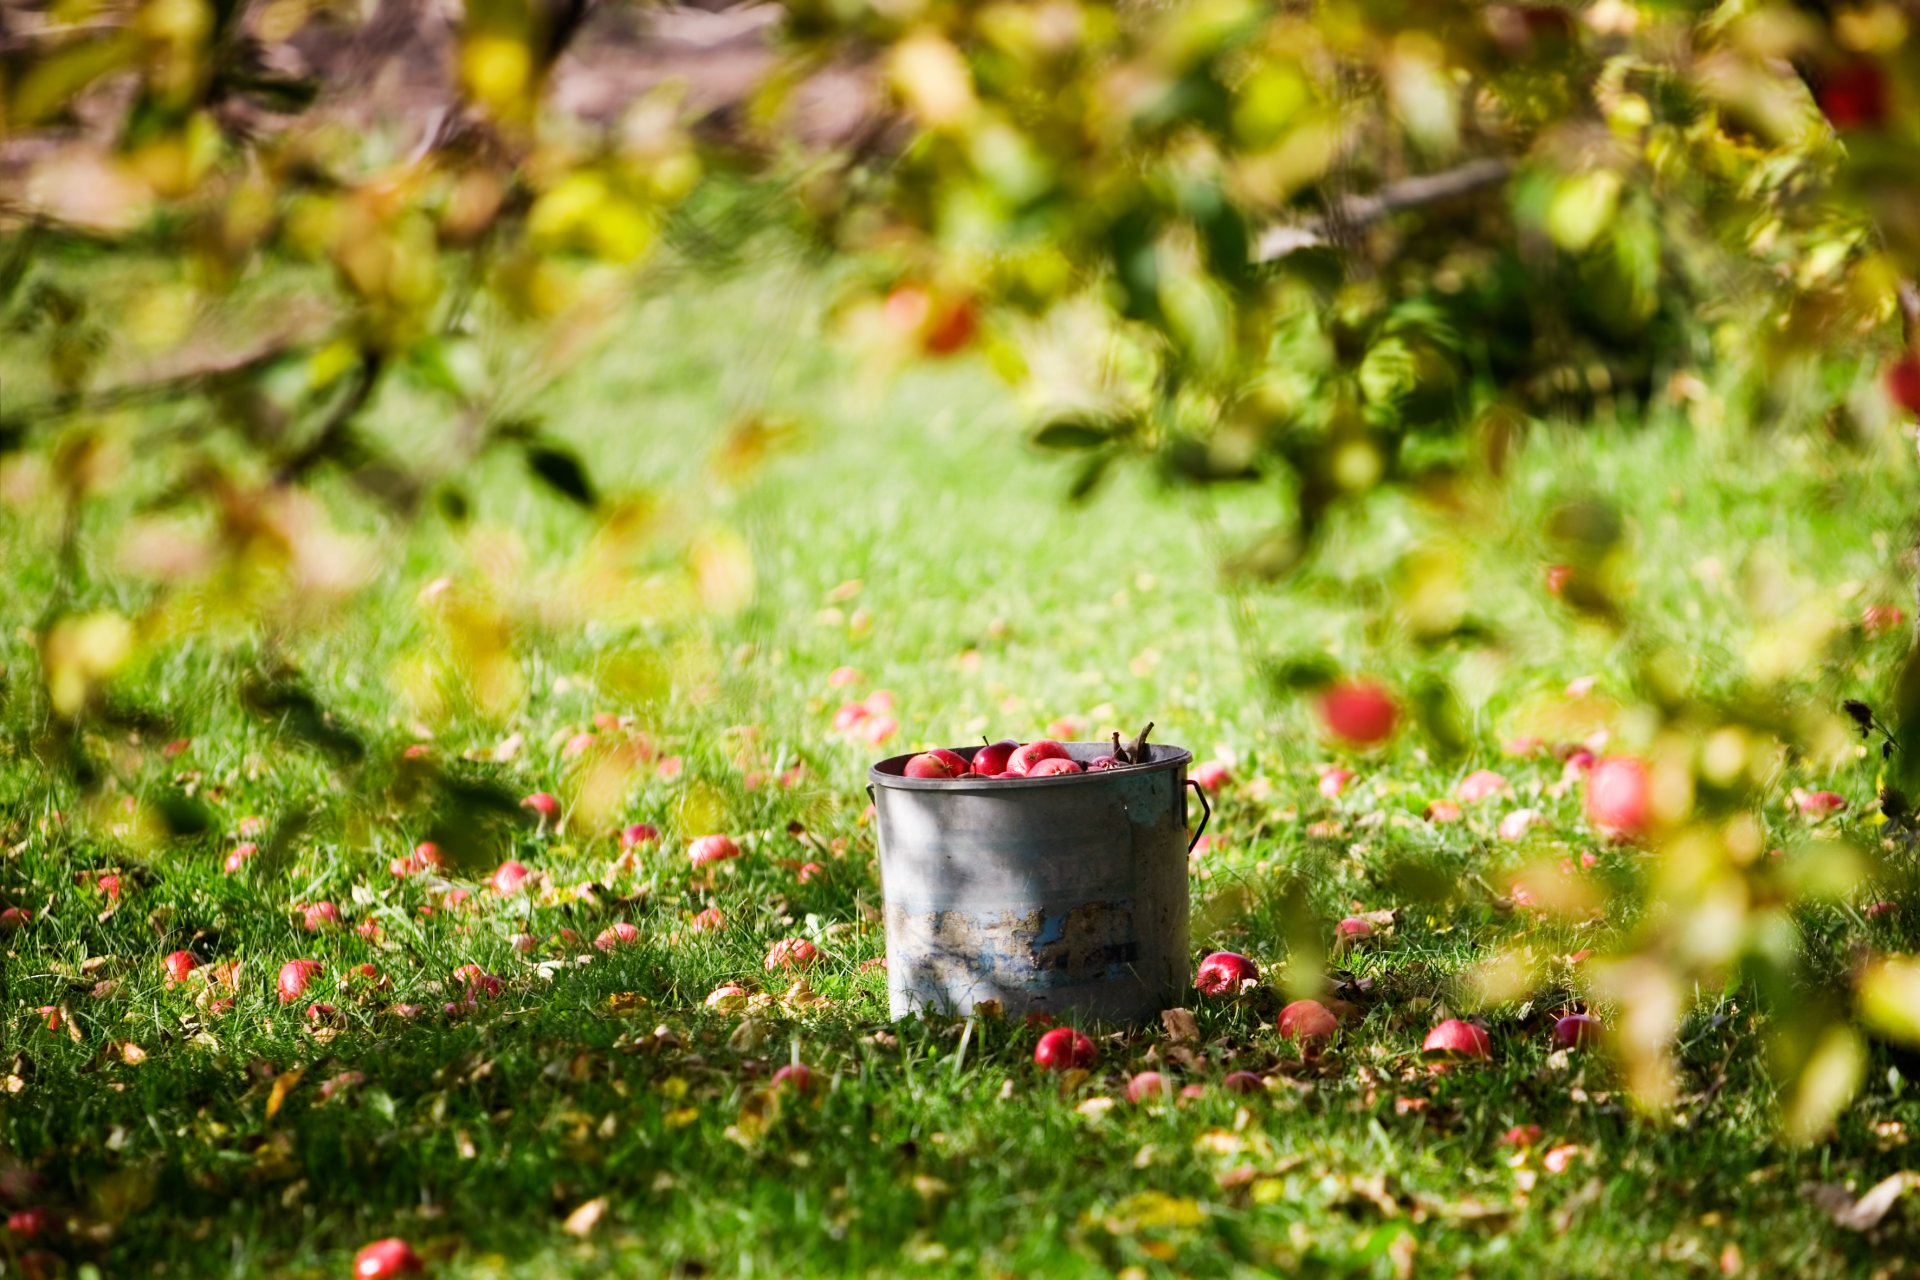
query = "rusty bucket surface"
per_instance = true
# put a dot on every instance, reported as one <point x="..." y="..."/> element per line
<point x="1056" y="895"/>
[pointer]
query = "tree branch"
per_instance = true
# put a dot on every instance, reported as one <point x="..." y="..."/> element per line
<point x="1354" y="212"/>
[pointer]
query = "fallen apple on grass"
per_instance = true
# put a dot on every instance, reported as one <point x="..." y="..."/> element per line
<point x="385" y="1258"/>
<point x="1223" y="973"/>
<point x="1456" y="1040"/>
<point x="1148" y="1086"/>
<point x="1576" y="1031"/>
<point x="1063" y="1048"/>
<point x="1308" y="1023"/>
<point x="795" y="1076"/>
<point x="1358" y="712"/>
<point x="1617" y="796"/>
<point x="294" y="977"/>
<point x="710" y="849"/>
<point x="1243" y="1082"/>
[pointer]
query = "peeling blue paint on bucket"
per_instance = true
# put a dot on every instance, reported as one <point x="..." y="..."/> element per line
<point x="1053" y="895"/>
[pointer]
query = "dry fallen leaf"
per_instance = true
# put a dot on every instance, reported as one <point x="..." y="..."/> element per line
<point x="1182" y="1027"/>
<point x="1867" y="1212"/>
<point x="583" y="1220"/>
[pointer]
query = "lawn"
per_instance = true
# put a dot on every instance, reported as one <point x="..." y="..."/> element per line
<point x="596" y="1116"/>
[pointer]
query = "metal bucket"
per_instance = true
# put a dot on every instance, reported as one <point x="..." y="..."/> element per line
<point x="1050" y="895"/>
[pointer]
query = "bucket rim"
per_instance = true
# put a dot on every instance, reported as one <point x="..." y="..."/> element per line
<point x="1167" y="758"/>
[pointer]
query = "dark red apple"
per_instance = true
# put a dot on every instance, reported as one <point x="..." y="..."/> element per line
<point x="1575" y="1031"/>
<point x="1221" y="973"/>
<point x="990" y="761"/>
<point x="1100" y="764"/>
<point x="1903" y="383"/>
<point x="1062" y="1048"/>
<point x="1029" y="754"/>
<point x="1854" y="95"/>
<point x="1243" y="1082"/>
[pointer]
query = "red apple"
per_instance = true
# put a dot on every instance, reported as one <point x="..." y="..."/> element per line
<point x="711" y="849"/>
<point x="1029" y="754"/>
<point x="1148" y="1086"/>
<point x="1221" y="973"/>
<point x="1576" y="1031"/>
<point x="321" y="915"/>
<point x="1558" y="576"/>
<point x="508" y="878"/>
<point x="711" y="918"/>
<point x="1457" y="1039"/>
<point x="1353" y="928"/>
<point x="1878" y="619"/>
<point x="545" y="806"/>
<point x="238" y="858"/>
<point x="1358" y="711"/>
<point x="727" y="997"/>
<point x="1211" y="775"/>
<point x="294" y="977"/>
<point x="1062" y="1048"/>
<point x="938" y="763"/>
<point x="1818" y="804"/>
<point x="638" y="834"/>
<point x="990" y="761"/>
<point x="1243" y="1082"/>
<point x="950" y="327"/>
<point x="1853" y="95"/>
<point x="1334" y="781"/>
<point x="30" y="1223"/>
<point x="1053" y="767"/>
<point x="791" y="953"/>
<point x="795" y="1076"/>
<point x="1480" y="785"/>
<point x="1903" y="383"/>
<point x="1617" y="795"/>
<point x="386" y="1258"/>
<point x="617" y="934"/>
<point x="15" y="918"/>
<point x="178" y="964"/>
<point x="1309" y="1023"/>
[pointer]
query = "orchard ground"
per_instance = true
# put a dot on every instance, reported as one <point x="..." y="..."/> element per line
<point x="596" y="1116"/>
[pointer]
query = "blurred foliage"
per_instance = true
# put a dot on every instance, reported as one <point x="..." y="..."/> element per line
<point x="1342" y="250"/>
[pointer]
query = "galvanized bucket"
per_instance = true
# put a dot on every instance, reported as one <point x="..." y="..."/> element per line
<point x="1053" y="895"/>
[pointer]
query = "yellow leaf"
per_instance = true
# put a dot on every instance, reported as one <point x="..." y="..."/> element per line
<point x="283" y="1084"/>
<point x="1890" y="998"/>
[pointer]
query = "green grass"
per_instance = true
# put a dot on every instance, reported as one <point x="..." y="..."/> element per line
<point x="985" y="604"/>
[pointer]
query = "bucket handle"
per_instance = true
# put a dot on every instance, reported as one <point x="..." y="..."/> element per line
<point x="1206" y="813"/>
